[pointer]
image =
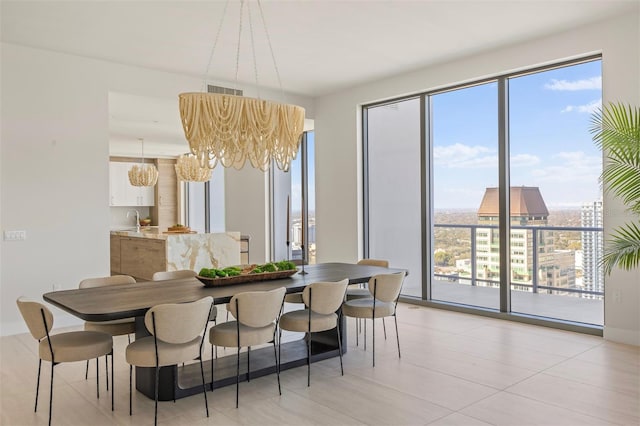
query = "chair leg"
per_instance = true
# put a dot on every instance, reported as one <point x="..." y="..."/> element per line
<point x="279" y="347"/>
<point x="275" y="354"/>
<point x="384" y="327"/>
<point x="97" y="378"/>
<point x="373" y="346"/>
<point x="309" y="359"/>
<point x="106" y="369"/>
<point x="204" y="388"/>
<point x="237" y="376"/>
<point x="130" y="388"/>
<point x="38" y="385"/>
<point x="86" y="371"/>
<point x="51" y="394"/>
<point x="340" y="346"/>
<point x="395" y="318"/>
<point x="155" y="417"/>
<point x="248" y="363"/>
<point x="357" y="320"/>
<point x="212" y="369"/>
<point x="365" y="333"/>
<point x="112" y="388"/>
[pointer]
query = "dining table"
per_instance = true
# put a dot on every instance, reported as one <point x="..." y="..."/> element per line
<point x="178" y="381"/>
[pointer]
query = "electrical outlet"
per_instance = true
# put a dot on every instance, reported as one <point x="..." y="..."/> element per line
<point x="617" y="296"/>
<point x="15" y="235"/>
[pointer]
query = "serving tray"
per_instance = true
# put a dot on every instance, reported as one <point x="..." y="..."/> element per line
<point x="245" y="278"/>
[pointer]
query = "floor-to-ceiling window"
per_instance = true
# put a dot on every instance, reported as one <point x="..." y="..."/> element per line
<point x="302" y="232"/>
<point x="204" y="203"/>
<point x="556" y="200"/>
<point x="464" y="133"/>
<point x="394" y="184"/>
<point x="505" y="176"/>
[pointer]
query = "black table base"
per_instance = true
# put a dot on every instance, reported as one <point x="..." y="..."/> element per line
<point x="179" y="381"/>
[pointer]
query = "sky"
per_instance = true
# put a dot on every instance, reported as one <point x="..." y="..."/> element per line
<point x="296" y="173"/>
<point x="550" y="143"/>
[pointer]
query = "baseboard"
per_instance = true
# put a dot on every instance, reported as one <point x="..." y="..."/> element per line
<point x="622" y="335"/>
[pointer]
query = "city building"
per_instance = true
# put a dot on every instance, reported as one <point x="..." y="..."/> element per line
<point x="592" y="248"/>
<point x="527" y="209"/>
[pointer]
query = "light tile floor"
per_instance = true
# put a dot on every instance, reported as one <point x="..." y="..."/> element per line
<point x="456" y="369"/>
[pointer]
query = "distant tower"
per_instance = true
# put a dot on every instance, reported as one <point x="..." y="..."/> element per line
<point x="592" y="247"/>
<point x="527" y="209"/>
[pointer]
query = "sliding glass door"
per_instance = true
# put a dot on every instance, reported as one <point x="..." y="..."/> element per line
<point x="465" y="250"/>
<point x="556" y="201"/>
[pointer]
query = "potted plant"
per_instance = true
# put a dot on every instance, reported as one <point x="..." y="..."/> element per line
<point x="616" y="130"/>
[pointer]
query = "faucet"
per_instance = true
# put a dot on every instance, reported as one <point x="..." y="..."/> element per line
<point x="137" y="218"/>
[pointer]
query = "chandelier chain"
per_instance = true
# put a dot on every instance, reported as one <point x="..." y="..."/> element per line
<point x="273" y="56"/>
<point x="238" y="47"/>
<point x="213" y="49"/>
<point x="253" y="50"/>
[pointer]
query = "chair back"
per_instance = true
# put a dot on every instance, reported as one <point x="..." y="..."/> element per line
<point x="32" y="314"/>
<point x="173" y="275"/>
<point x="386" y="287"/>
<point x="105" y="281"/>
<point x="179" y="322"/>
<point x="326" y="297"/>
<point x="374" y="262"/>
<point x="257" y="308"/>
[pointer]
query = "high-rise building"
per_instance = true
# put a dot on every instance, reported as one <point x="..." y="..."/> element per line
<point x="592" y="248"/>
<point x="527" y="209"/>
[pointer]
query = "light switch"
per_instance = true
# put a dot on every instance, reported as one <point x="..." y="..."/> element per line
<point x="15" y="235"/>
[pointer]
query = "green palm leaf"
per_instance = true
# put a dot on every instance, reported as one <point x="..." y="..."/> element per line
<point x="616" y="130"/>
<point x="623" y="249"/>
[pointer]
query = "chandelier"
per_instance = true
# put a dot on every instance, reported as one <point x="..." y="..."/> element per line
<point x="143" y="174"/>
<point x="188" y="169"/>
<point x="232" y="129"/>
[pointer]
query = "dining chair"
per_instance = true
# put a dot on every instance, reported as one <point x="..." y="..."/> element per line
<point x="179" y="274"/>
<point x="257" y="314"/>
<point x="385" y="290"/>
<point x="63" y="347"/>
<point x="177" y="335"/>
<point x="322" y="302"/>
<point x="120" y="327"/>
<point x="360" y="291"/>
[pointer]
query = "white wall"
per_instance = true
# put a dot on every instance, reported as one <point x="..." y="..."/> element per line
<point x="338" y="141"/>
<point x="54" y="169"/>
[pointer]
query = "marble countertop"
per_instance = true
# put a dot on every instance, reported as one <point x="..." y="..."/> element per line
<point x="144" y="233"/>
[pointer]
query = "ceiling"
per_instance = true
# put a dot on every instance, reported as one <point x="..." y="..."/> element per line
<point x="320" y="46"/>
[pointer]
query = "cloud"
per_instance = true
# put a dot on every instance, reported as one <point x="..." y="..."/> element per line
<point x="589" y="108"/>
<point x="593" y="83"/>
<point x="575" y="166"/>
<point x="524" y="160"/>
<point x="459" y="156"/>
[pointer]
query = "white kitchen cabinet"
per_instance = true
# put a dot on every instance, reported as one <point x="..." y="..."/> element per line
<point x="122" y="193"/>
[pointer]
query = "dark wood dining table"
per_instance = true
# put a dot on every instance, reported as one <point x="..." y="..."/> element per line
<point x="133" y="300"/>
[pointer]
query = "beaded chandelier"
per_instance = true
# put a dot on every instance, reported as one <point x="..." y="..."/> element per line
<point x="143" y="174"/>
<point x="188" y="169"/>
<point x="232" y="129"/>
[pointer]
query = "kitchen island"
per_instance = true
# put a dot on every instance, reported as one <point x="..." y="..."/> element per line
<point x="141" y="253"/>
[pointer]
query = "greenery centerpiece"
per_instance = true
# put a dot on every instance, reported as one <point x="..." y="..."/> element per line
<point x="616" y="130"/>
